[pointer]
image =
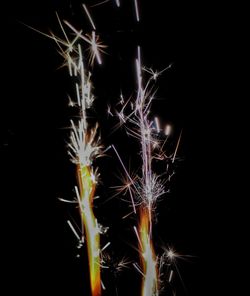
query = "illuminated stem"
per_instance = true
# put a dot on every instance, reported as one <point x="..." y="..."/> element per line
<point x="148" y="258"/>
<point x="87" y="191"/>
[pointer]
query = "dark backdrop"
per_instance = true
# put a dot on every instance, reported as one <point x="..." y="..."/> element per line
<point x="39" y="250"/>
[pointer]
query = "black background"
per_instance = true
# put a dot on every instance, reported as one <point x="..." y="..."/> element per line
<point x="39" y="251"/>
